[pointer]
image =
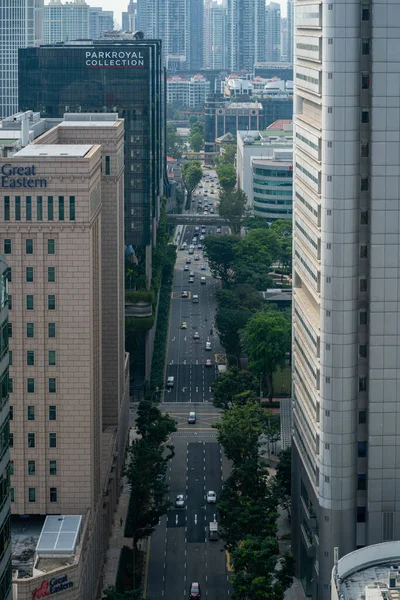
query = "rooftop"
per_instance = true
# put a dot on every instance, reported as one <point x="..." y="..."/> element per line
<point x="55" y="150"/>
<point x="240" y="105"/>
<point x="279" y="125"/>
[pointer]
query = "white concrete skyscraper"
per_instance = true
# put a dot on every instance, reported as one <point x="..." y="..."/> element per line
<point x="66" y="22"/>
<point x="346" y="300"/>
<point x="273" y="32"/>
<point x="290" y="19"/>
<point x="215" y="49"/>
<point x="20" y="27"/>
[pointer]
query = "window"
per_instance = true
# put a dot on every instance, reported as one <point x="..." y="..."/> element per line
<point x="52" y="358"/>
<point x="52" y="385"/>
<point x="329" y="246"/>
<point x="363" y="285"/>
<point x="330" y="41"/>
<point x="365" y="46"/>
<point x="30" y="358"/>
<point x="52" y="413"/>
<point x="327" y="313"/>
<point x="51" y="274"/>
<point x="329" y="178"/>
<point x="29" y="275"/>
<point x="50" y="208"/>
<point x="31" y="413"/>
<point x="30" y="385"/>
<point x="365" y="12"/>
<point x="7" y="246"/>
<point x="53" y="467"/>
<point x="327" y="346"/>
<point x="6" y="208"/>
<point x="364" y="115"/>
<point x="9" y="275"/>
<point x="329" y="212"/>
<point x="29" y="208"/>
<point x="363" y="251"/>
<point x="364" y="150"/>
<point x="361" y="514"/>
<point x="361" y="482"/>
<point x="39" y="208"/>
<point x="330" y="75"/>
<point x="365" y="81"/>
<point x="52" y="440"/>
<point x="51" y="247"/>
<point x="363" y="317"/>
<point x="53" y="494"/>
<point x="11" y="467"/>
<point x="362" y="350"/>
<point x="364" y="217"/>
<point x="31" y="467"/>
<point x="327" y="379"/>
<point x="31" y="440"/>
<point x="32" y="494"/>
<point x="11" y="442"/>
<point x="29" y="246"/>
<point x="329" y="144"/>
<point x="12" y="495"/>
<point x="61" y="212"/>
<point x="72" y="208"/>
<point x="29" y="302"/>
<point x="364" y="185"/>
<point x="328" y="280"/>
<point x="51" y="302"/>
<point x="362" y="449"/>
<point x="107" y="165"/>
<point x="17" y="208"/>
<point x="30" y="330"/>
<point x="327" y="446"/>
<point x="10" y="385"/>
<point x="51" y="327"/>
<point x="330" y="110"/>
<point x="362" y="417"/>
<point x="10" y="305"/>
<point x="362" y="384"/>
<point x="11" y="412"/>
<point x="10" y="330"/>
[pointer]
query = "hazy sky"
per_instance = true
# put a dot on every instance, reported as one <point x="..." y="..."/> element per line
<point x="119" y="5"/>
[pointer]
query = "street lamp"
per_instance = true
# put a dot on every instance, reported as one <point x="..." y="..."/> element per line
<point x="156" y="391"/>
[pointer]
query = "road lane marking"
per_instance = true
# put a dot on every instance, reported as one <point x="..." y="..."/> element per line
<point x="195" y="519"/>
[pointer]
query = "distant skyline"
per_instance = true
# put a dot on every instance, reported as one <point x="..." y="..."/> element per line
<point x="118" y="6"/>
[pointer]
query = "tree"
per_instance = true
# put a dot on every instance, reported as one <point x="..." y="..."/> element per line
<point x="266" y="338"/>
<point x="283" y="480"/>
<point x="175" y="144"/>
<point x="253" y="222"/>
<point x="254" y="255"/>
<point x="229" y="323"/>
<point x="226" y="176"/>
<point x="240" y="429"/>
<point x="197" y="127"/>
<point x="196" y="141"/>
<point x="191" y="175"/>
<point x="240" y="296"/>
<point x="111" y="593"/>
<point x="228" y="387"/>
<point x="228" y="155"/>
<point x="283" y="229"/>
<point x="232" y="208"/>
<point x="192" y="120"/>
<point x="220" y="255"/>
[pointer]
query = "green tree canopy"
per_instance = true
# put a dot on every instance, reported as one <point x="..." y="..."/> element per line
<point x="230" y="323"/>
<point x="253" y="222"/>
<point x="240" y="296"/>
<point x="227" y="157"/>
<point x="226" y="176"/>
<point x="283" y="229"/>
<point x="192" y="120"/>
<point x="283" y="480"/>
<point x="111" y="593"/>
<point x="191" y="175"/>
<point x="228" y="388"/>
<point x="175" y="144"/>
<point x="232" y="208"/>
<point x="220" y="255"/>
<point x="266" y="337"/>
<point x="196" y="141"/>
<point x="254" y="255"/>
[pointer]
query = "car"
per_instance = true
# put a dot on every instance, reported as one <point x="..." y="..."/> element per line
<point x="203" y="268"/>
<point x="211" y="497"/>
<point x="218" y="229"/>
<point x="183" y="325"/>
<point x="208" y="363"/>
<point x="191" y="247"/>
<point x="211" y="211"/>
<point x="202" y="238"/>
<point x="208" y="346"/>
<point x="199" y="246"/>
<point x="200" y="185"/>
<point x="182" y="247"/>
<point x="197" y="257"/>
<point x="185" y="294"/>
<point x="203" y="280"/>
<point x="170" y="382"/>
<point x="194" y="242"/>
<point x="191" y="251"/>
<point x="191" y="274"/>
<point x="188" y="261"/>
<point x="196" y="335"/>
<point x="191" y="279"/>
<point x="186" y="268"/>
<point x="197" y="228"/>
<point x="184" y="244"/>
<point x="205" y="194"/>
<point x="195" y="299"/>
<point x="194" y="593"/>
<point x="192" y="418"/>
<point x="180" y="501"/>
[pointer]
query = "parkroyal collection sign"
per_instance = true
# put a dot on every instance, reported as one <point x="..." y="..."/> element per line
<point x="114" y="58"/>
<point x="52" y="586"/>
<point x="20" y="177"/>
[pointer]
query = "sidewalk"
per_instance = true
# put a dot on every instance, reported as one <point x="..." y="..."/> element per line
<point x="117" y="539"/>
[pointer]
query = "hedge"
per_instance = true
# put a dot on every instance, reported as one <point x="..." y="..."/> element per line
<point x="139" y="296"/>
<point x="139" y="323"/>
<point x="125" y="570"/>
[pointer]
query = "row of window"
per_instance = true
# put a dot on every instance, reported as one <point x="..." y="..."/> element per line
<point x="272" y="172"/>
<point x="40" y="201"/>
<point x="4" y="437"/>
<point x="308" y="78"/>
<point x="30" y="385"/>
<point x="29" y="246"/>
<point x="267" y="183"/>
<point x="30" y="330"/>
<point x="287" y="193"/>
<point x="31" y="413"/>
<point x="4" y="388"/>
<point x="3" y="338"/>
<point x="5" y="536"/>
<point x="30" y="358"/>
<point x="6" y="581"/>
<point x="32" y="440"/>
<point x="307" y="141"/>
<point x="32" y="467"/>
<point x="32" y="494"/>
<point x="4" y="487"/>
<point x="30" y="305"/>
<point x="307" y="173"/>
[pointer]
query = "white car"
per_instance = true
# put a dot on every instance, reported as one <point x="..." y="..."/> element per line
<point x="180" y="501"/>
<point x="211" y="497"/>
<point x="208" y="346"/>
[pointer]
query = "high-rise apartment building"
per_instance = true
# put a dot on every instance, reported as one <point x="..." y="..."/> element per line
<point x="5" y="465"/>
<point x="346" y="310"/>
<point x="273" y="32"/>
<point x="129" y="17"/>
<point x="191" y="92"/>
<point x="215" y="39"/>
<point x="100" y="21"/>
<point x="245" y="33"/>
<point x="66" y="22"/>
<point x="20" y="27"/>
<point x="290" y="31"/>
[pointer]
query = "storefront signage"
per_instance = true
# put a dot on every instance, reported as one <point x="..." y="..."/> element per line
<point x="52" y="586"/>
<point x="114" y="58"/>
<point x="20" y="177"/>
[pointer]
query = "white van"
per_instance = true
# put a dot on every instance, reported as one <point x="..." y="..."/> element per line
<point x="170" y="382"/>
<point x="192" y="418"/>
<point x="203" y="280"/>
<point x="195" y="299"/>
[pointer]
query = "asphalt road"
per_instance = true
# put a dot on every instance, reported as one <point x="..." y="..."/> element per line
<point x="180" y="551"/>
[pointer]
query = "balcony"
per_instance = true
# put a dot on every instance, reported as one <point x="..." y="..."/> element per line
<point x="308" y="540"/>
<point x="309" y="513"/>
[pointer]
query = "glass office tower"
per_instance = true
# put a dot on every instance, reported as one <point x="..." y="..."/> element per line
<point x="121" y="76"/>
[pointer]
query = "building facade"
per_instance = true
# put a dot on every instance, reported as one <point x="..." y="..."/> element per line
<point x="290" y="31"/>
<point x="217" y="37"/>
<point x="129" y="18"/>
<point x="100" y="21"/>
<point x="191" y="92"/>
<point x="223" y="117"/>
<point x="66" y="22"/>
<point x="5" y="465"/>
<point x="345" y="303"/>
<point x="273" y="31"/>
<point x="20" y="27"/>
<point x="245" y="34"/>
<point x="272" y="186"/>
<point x="103" y="76"/>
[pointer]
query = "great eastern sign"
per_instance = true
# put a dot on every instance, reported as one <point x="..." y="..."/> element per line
<point x="52" y="586"/>
<point x="20" y="177"/>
